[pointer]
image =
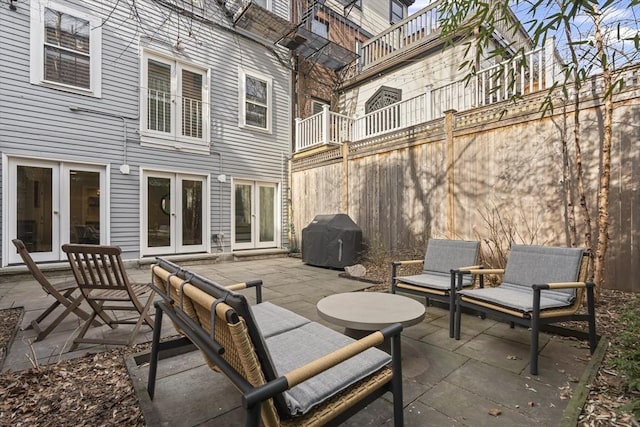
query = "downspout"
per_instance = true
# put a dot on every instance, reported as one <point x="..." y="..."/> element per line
<point x="124" y="168"/>
<point x="219" y="235"/>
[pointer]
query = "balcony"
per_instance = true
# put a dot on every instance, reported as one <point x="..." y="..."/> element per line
<point x="416" y="30"/>
<point x="535" y="71"/>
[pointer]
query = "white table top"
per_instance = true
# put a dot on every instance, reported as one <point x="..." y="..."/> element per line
<point x="370" y="311"/>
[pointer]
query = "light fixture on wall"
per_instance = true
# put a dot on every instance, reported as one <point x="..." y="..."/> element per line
<point x="12" y="6"/>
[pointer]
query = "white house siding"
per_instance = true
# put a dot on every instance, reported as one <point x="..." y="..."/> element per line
<point x="36" y="122"/>
<point x="373" y="17"/>
<point x="436" y="70"/>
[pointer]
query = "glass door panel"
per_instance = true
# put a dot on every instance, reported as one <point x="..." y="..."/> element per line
<point x="243" y="226"/>
<point x="175" y="213"/>
<point x="84" y="207"/>
<point x="192" y="213"/>
<point x="267" y="215"/>
<point x="36" y="219"/>
<point x="159" y="211"/>
<point x="255" y="215"/>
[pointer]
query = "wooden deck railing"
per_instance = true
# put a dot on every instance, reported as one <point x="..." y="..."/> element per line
<point x="409" y="32"/>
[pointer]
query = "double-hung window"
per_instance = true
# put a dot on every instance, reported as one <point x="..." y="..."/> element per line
<point x="65" y="48"/>
<point x="255" y="100"/>
<point x="175" y="107"/>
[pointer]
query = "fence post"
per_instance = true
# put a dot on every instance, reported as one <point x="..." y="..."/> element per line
<point x="549" y="62"/>
<point x="325" y="124"/>
<point x="298" y="136"/>
<point x="427" y="103"/>
<point x="450" y="162"/>
<point x="345" y="178"/>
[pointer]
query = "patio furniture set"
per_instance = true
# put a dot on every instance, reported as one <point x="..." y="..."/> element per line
<point x="293" y="371"/>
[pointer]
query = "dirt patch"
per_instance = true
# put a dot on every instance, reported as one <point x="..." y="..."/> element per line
<point x="9" y="319"/>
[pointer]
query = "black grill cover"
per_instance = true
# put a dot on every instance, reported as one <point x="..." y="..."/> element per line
<point x="331" y="241"/>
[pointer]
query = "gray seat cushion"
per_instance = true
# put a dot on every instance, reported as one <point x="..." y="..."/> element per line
<point x="514" y="297"/>
<point x="432" y="280"/>
<point x="272" y="319"/>
<point x="297" y="347"/>
<point x="534" y="265"/>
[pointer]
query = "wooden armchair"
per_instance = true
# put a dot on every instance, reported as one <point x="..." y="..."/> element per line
<point x="540" y="285"/>
<point x="443" y="258"/>
<point x="62" y="292"/>
<point x="328" y="377"/>
<point x="105" y="285"/>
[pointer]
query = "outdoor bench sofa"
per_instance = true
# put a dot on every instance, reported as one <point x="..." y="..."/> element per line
<point x="540" y="285"/>
<point x="289" y="370"/>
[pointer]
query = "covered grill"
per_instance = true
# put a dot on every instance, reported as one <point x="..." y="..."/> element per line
<point x="331" y="241"/>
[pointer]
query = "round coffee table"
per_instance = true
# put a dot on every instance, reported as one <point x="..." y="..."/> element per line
<point x="362" y="312"/>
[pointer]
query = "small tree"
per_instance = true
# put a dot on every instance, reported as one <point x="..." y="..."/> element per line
<point x="596" y="50"/>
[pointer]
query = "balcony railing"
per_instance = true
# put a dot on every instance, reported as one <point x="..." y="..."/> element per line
<point x="534" y="71"/>
<point x="325" y="127"/>
<point x="409" y="32"/>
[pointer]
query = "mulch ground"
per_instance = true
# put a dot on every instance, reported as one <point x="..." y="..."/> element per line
<point x="97" y="387"/>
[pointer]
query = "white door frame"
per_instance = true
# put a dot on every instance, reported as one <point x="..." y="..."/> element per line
<point x="176" y="245"/>
<point x="60" y="199"/>
<point x="255" y="214"/>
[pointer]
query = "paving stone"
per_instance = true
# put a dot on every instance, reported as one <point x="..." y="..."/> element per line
<point x="445" y="382"/>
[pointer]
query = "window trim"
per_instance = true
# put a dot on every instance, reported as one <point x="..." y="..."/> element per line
<point x="174" y="139"/>
<point x="242" y="122"/>
<point x="318" y="101"/>
<point x="37" y="39"/>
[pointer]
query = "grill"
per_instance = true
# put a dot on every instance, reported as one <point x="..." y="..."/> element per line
<point x="331" y="241"/>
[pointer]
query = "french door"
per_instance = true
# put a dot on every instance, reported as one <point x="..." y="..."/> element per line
<point x="52" y="203"/>
<point x="255" y="215"/>
<point x="174" y="207"/>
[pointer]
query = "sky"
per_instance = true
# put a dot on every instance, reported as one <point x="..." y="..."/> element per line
<point x="622" y="20"/>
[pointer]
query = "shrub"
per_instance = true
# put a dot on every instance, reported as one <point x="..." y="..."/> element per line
<point x="627" y="361"/>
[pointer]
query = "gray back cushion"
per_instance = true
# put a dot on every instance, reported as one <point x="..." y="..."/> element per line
<point x="534" y="265"/>
<point x="445" y="255"/>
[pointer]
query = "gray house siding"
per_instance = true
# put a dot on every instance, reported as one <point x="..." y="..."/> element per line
<point x="36" y="121"/>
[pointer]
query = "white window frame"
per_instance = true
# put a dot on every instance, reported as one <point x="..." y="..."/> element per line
<point x="243" y="74"/>
<point x="320" y="102"/>
<point x="174" y="138"/>
<point x="37" y="48"/>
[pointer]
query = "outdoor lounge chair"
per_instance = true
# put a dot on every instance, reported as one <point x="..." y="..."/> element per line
<point x="289" y="370"/>
<point x="437" y="280"/>
<point x="104" y="284"/>
<point x="540" y="285"/>
<point x="62" y="292"/>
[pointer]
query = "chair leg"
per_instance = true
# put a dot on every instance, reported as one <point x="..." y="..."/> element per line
<point x="458" y="316"/>
<point x="153" y="362"/>
<point x="144" y="318"/>
<point x="396" y="381"/>
<point x="48" y="311"/>
<point x="535" y="331"/>
<point x="72" y="307"/>
<point x="83" y="331"/>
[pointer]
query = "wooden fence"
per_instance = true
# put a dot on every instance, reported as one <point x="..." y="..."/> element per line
<point x="481" y="174"/>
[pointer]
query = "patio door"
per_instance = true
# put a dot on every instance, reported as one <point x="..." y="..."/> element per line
<point x="255" y="215"/>
<point x="51" y="203"/>
<point x="174" y="208"/>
